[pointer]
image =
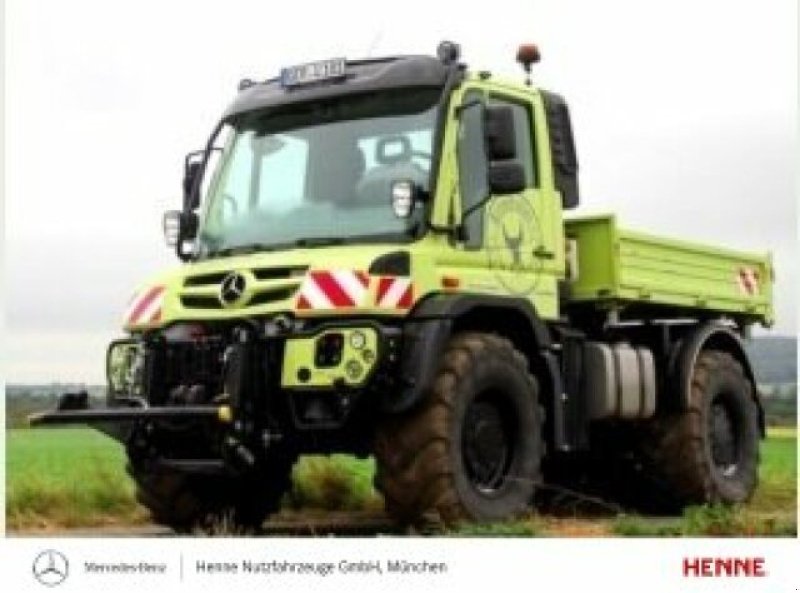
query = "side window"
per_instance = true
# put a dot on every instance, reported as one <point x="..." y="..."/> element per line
<point x="522" y="127"/>
<point x="472" y="167"/>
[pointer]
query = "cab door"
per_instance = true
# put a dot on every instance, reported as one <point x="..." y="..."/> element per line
<point x="513" y="237"/>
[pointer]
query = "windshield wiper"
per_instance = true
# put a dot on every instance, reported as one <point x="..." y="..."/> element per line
<point x="242" y="249"/>
<point x="256" y="247"/>
<point x="320" y="241"/>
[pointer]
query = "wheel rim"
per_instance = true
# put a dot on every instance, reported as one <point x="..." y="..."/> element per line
<point x="725" y="445"/>
<point x="487" y="444"/>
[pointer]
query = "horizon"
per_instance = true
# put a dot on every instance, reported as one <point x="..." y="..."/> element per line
<point x="95" y="383"/>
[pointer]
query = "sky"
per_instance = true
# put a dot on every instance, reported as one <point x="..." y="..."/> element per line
<point x="685" y="115"/>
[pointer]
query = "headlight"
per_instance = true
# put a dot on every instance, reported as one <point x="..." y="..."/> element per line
<point x="124" y="367"/>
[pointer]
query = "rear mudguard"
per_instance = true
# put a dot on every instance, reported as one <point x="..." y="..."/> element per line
<point x="711" y="335"/>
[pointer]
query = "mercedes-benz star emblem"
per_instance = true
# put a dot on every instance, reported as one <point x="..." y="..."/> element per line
<point x="50" y="568"/>
<point x="232" y="288"/>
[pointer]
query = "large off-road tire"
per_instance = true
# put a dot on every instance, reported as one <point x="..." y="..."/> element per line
<point x="709" y="453"/>
<point x="472" y="449"/>
<point x="184" y="501"/>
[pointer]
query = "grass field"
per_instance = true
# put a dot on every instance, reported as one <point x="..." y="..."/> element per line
<point x="71" y="477"/>
<point x="66" y="477"/>
<point x="59" y="478"/>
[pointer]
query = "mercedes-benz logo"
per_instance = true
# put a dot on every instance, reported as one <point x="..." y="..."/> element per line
<point x="232" y="288"/>
<point x="50" y="568"/>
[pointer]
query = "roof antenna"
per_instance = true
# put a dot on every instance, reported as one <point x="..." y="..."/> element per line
<point x="448" y="52"/>
<point x="527" y="55"/>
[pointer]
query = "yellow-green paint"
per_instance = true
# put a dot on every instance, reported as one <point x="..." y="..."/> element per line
<point x="299" y="354"/>
<point x="617" y="265"/>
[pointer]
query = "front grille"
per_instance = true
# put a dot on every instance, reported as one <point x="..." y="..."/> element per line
<point x="200" y="302"/>
<point x="279" y="273"/>
<point x="265" y="291"/>
<point x="205" y="279"/>
<point x="270" y="296"/>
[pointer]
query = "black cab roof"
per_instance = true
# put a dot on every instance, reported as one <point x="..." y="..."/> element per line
<point x="380" y="74"/>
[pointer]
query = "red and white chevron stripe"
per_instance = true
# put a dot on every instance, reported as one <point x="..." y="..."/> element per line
<point x="333" y="289"/>
<point x="395" y="293"/>
<point x="748" y="281"/>
<point x="145" y="307"/>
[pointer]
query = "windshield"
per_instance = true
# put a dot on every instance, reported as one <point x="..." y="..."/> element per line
<point x="319" y="172"/>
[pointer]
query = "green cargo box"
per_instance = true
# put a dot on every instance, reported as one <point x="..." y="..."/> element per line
<point x="618" y="267"/>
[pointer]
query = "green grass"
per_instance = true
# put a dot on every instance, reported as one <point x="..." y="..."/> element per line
<point x="778" y="472"/>
<point x="66" y="477"/>
<point x="76" y="477"/>
<point x="709" y="520"/>
<point x="335" y="482"/>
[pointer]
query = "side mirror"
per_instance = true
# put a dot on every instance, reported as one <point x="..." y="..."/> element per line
<point x="191" y="173"/>
<point x="179" y="227"/>
<point x="506" y="177"/>
<point x="499" y="133"/>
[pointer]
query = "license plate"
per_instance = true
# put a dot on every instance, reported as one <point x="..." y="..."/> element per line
<point x="312" y="72"/>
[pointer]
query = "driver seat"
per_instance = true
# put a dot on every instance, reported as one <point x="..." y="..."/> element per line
<point x="336" y="175"/>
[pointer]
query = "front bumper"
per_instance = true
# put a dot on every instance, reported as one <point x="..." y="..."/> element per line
<point x="254" y="380"/>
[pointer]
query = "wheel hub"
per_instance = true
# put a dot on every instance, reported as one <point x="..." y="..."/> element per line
<point x="485" y="445"/>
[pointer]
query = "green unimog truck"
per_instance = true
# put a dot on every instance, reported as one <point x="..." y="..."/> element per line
<point x="375" y="260"/>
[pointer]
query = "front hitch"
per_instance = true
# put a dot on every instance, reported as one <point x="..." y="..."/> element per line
<point x="73" y="408"/>
<point x="105" y="415"/>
